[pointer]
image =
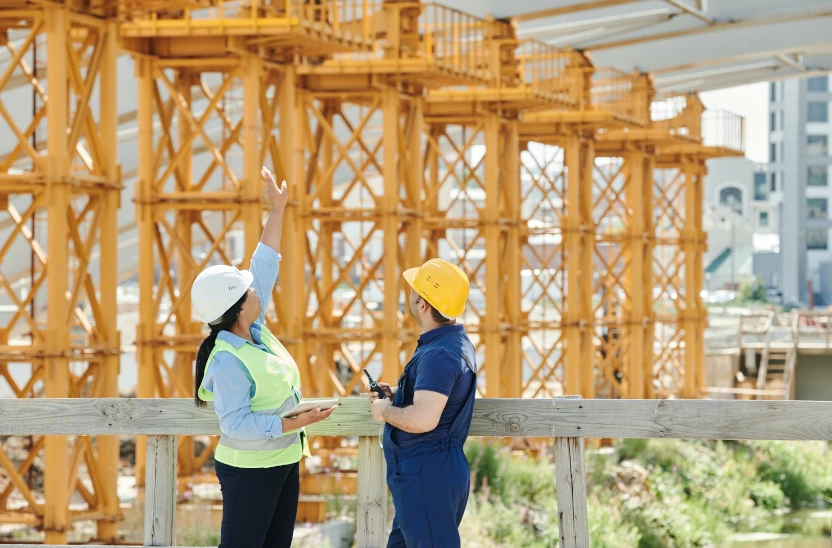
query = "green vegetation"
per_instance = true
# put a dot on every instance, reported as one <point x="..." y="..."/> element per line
<point x="754" y="292"/>
<point x="647" y="494"/>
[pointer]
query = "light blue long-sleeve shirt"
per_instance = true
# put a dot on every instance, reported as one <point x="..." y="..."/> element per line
<point x="226" y="376"/>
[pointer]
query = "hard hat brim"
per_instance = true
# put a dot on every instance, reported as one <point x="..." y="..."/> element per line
<point x="409" y="276"/>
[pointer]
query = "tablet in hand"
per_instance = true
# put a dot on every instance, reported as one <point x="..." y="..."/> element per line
<point x="308" y="405"/>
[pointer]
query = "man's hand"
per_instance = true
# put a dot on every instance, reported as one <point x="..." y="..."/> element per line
<point x="278" y="197"/>
<point x="378" y="407"/>
<point x="388" y="390"/>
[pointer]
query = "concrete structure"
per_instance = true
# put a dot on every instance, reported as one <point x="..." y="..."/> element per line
<point x="800" y="171"/>
<point x="741" y="217"/>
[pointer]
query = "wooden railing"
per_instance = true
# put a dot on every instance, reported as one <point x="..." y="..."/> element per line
<point x="566" y="420"/>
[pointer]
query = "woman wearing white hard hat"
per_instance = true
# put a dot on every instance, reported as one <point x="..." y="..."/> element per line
<point x="252" y="380"/>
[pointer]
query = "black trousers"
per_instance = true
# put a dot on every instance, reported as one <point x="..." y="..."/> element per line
<point x="259" y="505"/>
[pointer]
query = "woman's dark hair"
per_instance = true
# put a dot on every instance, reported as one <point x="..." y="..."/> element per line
<point x="226" y="322"/>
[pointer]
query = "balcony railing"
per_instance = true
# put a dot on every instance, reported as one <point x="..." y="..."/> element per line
<point x="433" y="40"/>
<point x="345" y="20"/>
<point x="545" y="70"/>
<point x="567" y="421"/>
<point x="621" y="94"/>
<point x="723" y="130"/>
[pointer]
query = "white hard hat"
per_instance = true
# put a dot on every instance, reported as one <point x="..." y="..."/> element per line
<point x="216" y="289"/>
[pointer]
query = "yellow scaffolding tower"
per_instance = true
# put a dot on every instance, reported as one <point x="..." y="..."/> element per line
<point x="59" y="192"/>
<point x="405" y="130"/>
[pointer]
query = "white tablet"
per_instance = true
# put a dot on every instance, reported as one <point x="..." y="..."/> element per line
<point x="308" y="405"/>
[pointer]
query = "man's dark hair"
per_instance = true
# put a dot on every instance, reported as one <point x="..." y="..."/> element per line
<point x="437" y="317"/>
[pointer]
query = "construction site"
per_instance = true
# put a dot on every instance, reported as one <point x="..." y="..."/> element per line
<point x="555" y="151"/>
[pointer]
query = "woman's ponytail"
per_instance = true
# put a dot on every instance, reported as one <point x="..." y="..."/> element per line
<point x="225" y="324"/>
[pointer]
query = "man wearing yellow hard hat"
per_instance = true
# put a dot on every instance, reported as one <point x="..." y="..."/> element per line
<point x="428" y="418"/>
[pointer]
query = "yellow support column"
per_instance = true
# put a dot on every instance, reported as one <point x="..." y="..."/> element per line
<point x="293" y="271"/>
<point x="146" y="353"/>
<point x="701" y="316"/>
<point x="512" y="379"/>
<point x="639" y="186"/>
<point x="491" y="228"/>
<point x="56" y="515"/>
<point x="390" y="226"/>
<point x="586" y="313"/>
<point x="688" y="247"/>
<point x="648" y="243"/>
<point x="572" y="242"/>
<point x="415" y="201"/>
<point x="108" y="446"/>
<point x="183" y="228"/>
<point x="251" y="209"/>
<point x="325" y="351"/>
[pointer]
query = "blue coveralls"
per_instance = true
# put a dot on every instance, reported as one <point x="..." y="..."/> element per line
<point x="430" y="480"/>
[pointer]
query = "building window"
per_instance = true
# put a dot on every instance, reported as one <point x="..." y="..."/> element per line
<point x="817" y="145"/>
<point x="817" y="238"/>
<point x="760" y="187"/>
<point x="773" y="123"/>
<point x="817" y="208"/>
<point x="764" y="219"/>
<point x="782" y="120"/>
<point x="731" y="197"/>
<point x="818" y="111"/>
<point x="772" y="157"/>
<point x="774" y="181"/>
<point x="819" y="83"/>
<point x="773" y="92"/>
<point x="817" y="176"/>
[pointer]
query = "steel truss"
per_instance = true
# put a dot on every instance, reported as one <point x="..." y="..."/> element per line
<point x="59" y="191"/>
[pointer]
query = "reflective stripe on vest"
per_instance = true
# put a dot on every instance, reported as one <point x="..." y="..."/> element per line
<point x="277" y="389"/>
<point x="265" y="445"/>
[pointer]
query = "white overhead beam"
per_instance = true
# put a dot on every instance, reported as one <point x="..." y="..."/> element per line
<point x="565" y="10"/>
<point x="690" y="10"/>
<point x="717" y="27"/>
<point x="791" y="62"/>
<point x="655" y="15"/>
<point x="761" y="54"/>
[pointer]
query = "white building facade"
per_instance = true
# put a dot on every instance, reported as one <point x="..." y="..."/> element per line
<point x="800" y="130"/>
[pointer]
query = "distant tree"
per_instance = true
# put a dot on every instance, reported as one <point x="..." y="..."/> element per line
<point x="752" y="292"/>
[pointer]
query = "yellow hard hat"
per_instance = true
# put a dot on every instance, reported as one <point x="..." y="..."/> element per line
<point x="442" y="284"/>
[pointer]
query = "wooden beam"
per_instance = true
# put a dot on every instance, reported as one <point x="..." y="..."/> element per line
<point x="571" y="486"/>
<point x="372" y="493"/>
<point x="573" y="8"/>
<point x="570" y="480"/>
<point x="160" y="491"/>
<point x="588" y="418"/>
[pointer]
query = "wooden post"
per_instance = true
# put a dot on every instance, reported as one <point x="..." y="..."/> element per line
<point x="570" y="479"/>
<point x="160" y="491"/>
<point x="372" y="493"/>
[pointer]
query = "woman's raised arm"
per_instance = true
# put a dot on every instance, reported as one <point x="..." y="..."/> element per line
<point x="278" y="198"/>
<point x="265" y="263"/>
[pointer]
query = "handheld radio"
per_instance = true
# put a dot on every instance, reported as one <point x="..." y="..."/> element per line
<point x="374" y="385"/>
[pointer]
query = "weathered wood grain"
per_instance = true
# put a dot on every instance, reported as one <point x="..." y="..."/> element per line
<point x="685" y="419"/>
<point x="570" y="476"/>
<point x="160" y="492"/>
<point x="694" y="419"/>
<point x="372" y="494"/>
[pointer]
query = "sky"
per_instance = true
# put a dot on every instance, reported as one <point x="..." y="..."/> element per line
<point x="750" y="102"/>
